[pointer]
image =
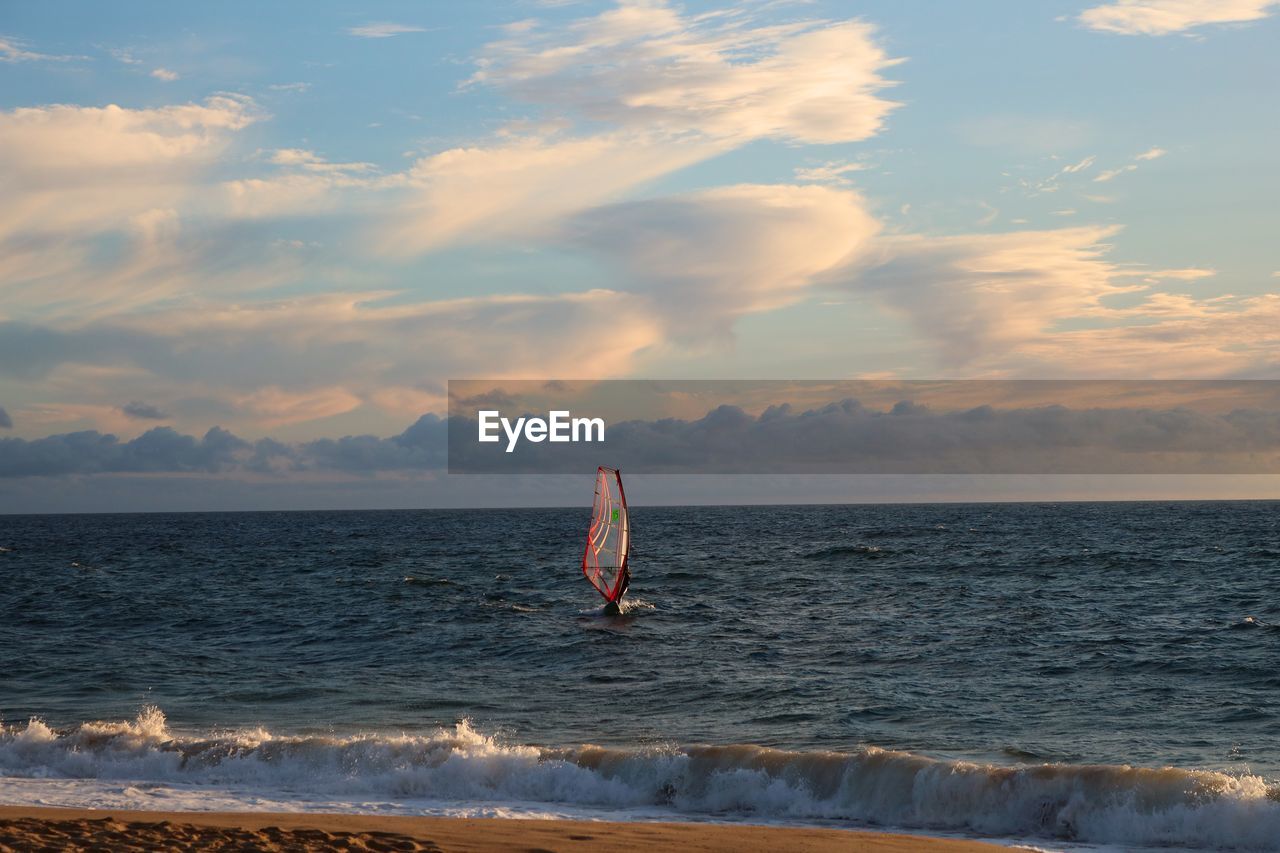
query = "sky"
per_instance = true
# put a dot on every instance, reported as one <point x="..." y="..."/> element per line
<point x="229" y="224"/>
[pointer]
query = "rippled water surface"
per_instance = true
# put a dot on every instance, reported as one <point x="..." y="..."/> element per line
<point x="1066" y="634"/>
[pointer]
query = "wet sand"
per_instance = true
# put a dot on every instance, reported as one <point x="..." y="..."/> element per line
<point x="24" y="828"/>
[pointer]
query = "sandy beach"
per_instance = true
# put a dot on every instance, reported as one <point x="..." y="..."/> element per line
<point x="25" y="828"/>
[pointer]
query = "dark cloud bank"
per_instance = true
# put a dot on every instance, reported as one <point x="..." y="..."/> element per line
<point x="840" y="438"/>
<point x="849" y="438"/>
<point x="165" y="450"/>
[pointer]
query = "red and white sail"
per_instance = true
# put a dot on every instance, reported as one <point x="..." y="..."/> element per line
<point x="604" y="561"/>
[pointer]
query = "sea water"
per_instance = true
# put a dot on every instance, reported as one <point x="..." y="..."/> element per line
<point x="1067" y="674"/>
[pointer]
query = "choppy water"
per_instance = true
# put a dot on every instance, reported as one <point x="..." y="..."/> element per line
<point x="1013" y="670"/>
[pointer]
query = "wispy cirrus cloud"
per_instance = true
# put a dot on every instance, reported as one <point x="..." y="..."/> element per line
<point x="834" y="172"/>
<point x="1145" y="156"/>
<point x="1162" y="17"/>
<point x="1185" y="274"/>
<point x="126" y="56"/>
<point x="383" y="29"/>
<point x="520" y="187"/>
<point x="313" y="162"/>
<point x="1054" y="182"/>
<point x="719" y="75"/>
<point x="1068" y="177"/>
<point x="15" y="50"/>
<point x="669" y="89"/>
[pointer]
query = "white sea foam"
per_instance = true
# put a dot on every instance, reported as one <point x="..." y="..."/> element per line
<point x="142" y="764"/>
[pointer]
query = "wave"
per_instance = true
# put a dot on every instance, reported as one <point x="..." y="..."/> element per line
<point x="1103" y="804"/>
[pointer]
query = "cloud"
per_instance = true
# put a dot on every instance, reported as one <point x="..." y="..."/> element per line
<point x="1112" y="174"/>
<point x="78" y="177"/>
<point x="908" y="437"/>
<point x="706" y="258"/>
<point x="77" y="169"/>
<point x="333" y="352"/>
<point x="13" y="50"/>
<point x="833" y="172"/>
<point x="839" y="437"/>
<point x="158" y="450"/>
<point x="423" y="446"/>
<point x="312" y="162"/>
<point x="644" y="65"/>
<point x="50" y="145"/>
<point x="124" y="56"/>
<point x="163" y="450"/>
<point x="273" y="406"/>
<point x="82" y="182"/>
<point x="1169" y="335"/>
<point x="971" y="294"/>
<point x="143" y="411"/>
<point x="661" y="91"/>
<point x="1069" y="174"/>
<point x="1187" y="274"/>
<point x="1145" y="156"/>
<point x="6" y="422"/>
<point x="383" y="30"/>
<point x="110" y="210"/>
<point x="1161" y="17"/>
<point x="1035" y="303"/>
<point x="522" y="186"/>
<point x="308" y="185"/>
<point x="1072" y="168"/>
<point x="286" y="195"/>
<point x="1053" y="183"/>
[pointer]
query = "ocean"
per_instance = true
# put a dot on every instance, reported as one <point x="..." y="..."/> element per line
<point x="1065" y="675"/>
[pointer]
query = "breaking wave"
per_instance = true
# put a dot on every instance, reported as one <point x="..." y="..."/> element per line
<point x="1102" y="804"/>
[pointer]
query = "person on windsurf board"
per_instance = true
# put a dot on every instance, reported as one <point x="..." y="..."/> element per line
<point x="606" y="558"/>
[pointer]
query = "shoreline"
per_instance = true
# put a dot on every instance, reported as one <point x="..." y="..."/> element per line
<point x="31" y="827"/>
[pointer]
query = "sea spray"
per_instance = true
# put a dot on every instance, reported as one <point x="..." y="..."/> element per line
<point x="1106" y="804"/>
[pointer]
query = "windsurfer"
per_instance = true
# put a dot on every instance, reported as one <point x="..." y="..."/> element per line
<point x="614" y="607"/>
